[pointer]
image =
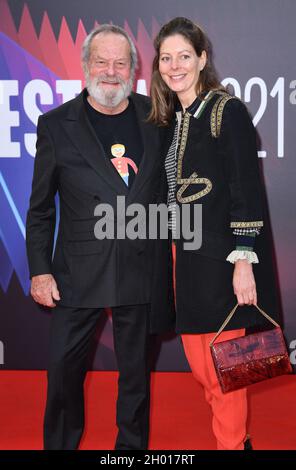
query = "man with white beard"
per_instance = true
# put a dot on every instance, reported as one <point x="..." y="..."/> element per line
<point x="86" y="275"/>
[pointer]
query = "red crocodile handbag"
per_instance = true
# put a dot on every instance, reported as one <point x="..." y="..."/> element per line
<point x="249" y="359"/>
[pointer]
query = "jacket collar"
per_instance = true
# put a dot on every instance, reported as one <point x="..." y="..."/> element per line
<point x="82" y="134"/>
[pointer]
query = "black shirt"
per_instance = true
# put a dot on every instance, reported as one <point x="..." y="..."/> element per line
<point x="121" y="139"/>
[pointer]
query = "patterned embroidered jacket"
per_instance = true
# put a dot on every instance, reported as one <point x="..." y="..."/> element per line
<point x="217" y="166"/>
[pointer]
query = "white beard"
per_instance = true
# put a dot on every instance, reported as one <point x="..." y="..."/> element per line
<point x="111" y="98"/>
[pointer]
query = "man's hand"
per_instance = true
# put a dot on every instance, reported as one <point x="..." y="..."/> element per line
<point x="244" y="283"/>
<point x="44" y="290"/>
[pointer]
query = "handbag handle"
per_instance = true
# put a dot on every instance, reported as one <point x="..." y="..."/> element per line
<point x="231" y="315"/>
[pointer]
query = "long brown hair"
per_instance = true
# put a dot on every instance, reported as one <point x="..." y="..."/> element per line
<point x="163" y="99"/>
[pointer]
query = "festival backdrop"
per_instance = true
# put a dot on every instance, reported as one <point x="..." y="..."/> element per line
<point x="40" y="41"/>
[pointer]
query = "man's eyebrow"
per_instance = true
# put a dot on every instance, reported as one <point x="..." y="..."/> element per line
<point x="104" y="58"/>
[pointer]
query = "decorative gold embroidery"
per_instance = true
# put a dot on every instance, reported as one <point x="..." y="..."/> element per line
<point x="183" y="142"/>
<point x="258" y="223"/>
<point x="186" y="182"/>
<point x="193" y="179"/>
<point x="217" y="114"/>
<point x="185" y="130"/>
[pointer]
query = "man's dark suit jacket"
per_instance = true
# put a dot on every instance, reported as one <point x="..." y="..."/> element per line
<point x="89" y="272"/>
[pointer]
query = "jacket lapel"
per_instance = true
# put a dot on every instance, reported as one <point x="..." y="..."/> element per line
<point x="150" y="138"/>
<point x="81" y="133"/>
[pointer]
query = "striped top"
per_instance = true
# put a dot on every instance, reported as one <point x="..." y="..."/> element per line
<point x="171" y="171"/>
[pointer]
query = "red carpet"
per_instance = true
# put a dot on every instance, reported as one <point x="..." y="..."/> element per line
<point x="180" y="418"/>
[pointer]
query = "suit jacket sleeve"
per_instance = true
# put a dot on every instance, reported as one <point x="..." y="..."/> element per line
<point x="41" y="217"/>
<point x="238" y="145"/>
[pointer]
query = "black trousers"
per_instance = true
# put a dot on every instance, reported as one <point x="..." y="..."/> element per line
<point x="72" y="332"/>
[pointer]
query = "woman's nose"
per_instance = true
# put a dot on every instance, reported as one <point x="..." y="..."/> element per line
<point x="175" y="63"/>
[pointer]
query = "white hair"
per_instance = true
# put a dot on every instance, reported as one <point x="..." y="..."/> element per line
<point x="108" y="28"/>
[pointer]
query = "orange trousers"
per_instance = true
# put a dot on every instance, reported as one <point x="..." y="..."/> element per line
<point x="229" y="409"/>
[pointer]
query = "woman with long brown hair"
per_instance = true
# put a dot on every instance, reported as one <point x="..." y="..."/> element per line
<point x="211" y="159"/>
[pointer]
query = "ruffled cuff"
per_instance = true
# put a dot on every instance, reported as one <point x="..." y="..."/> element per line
<point x="242" y="254"/>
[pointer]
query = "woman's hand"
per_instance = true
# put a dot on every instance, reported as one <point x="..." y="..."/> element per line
<point x="244" y="284"/>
